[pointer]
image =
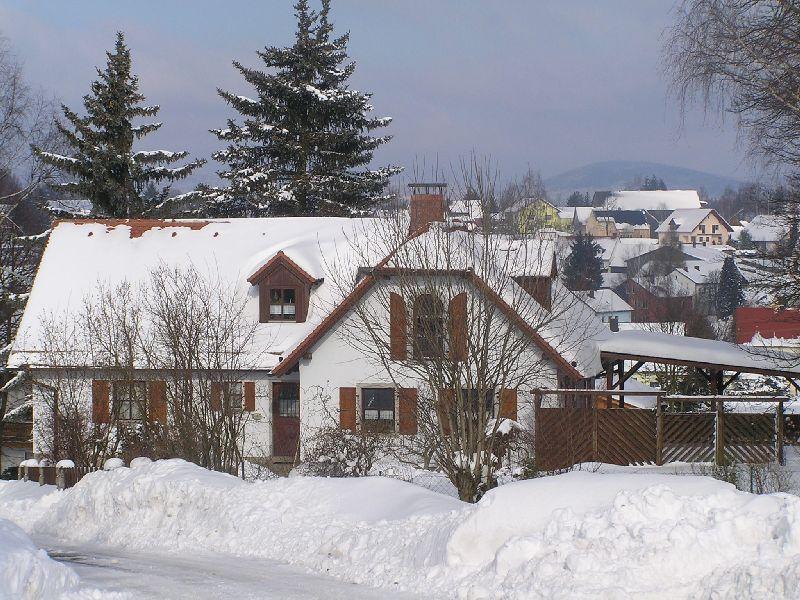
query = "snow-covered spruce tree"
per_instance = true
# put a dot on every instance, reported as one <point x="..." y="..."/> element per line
<point x="583" y="269"/>
<point x="104" y="168"/>
<point x="730" y="295"/>
<point x="303" y="145"/>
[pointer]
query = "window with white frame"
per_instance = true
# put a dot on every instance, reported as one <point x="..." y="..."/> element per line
<point x="377" y="409"/>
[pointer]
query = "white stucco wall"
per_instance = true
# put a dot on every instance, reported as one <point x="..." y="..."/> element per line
<point x="335" y="363"/>
<point x="257" y="425"/>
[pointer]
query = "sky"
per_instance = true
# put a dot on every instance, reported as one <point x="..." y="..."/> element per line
<point x="550" y="85"/>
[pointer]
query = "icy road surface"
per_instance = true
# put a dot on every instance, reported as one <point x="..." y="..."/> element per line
<point x="199" y="577"/>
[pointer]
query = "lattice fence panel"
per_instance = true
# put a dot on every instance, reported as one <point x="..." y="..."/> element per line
<point x="749" y="437"/>
<point x="688" y="437"/>
<point x="626" y="436"/>
<point x="563" y="437"/>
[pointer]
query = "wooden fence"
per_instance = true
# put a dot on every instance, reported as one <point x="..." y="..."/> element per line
<point x="565" y="436"/>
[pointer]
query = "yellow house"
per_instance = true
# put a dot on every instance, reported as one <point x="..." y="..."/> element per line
<point x="696" y="226"/>
<point x="537" y="213"/>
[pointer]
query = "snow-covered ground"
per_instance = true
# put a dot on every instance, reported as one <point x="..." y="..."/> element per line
<point x="578" y="535"/>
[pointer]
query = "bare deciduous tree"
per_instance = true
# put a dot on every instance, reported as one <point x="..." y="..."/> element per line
<point x="740" y="57"/>
<point x="173" y="350"/>
<point x="472" y="303"/>
<point x="26" y="117"/>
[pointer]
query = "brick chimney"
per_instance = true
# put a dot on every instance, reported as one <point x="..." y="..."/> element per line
<point x="426" y="206"/>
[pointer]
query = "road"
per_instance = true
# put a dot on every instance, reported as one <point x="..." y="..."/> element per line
<point x="201" y="577"/>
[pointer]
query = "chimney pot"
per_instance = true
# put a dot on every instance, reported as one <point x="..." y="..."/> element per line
<point x="613" y="323"/>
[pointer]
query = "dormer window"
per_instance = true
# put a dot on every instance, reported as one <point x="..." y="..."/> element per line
<point x="284" y="289"/>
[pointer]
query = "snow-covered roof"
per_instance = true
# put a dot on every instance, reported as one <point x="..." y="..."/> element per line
<point x="605" y="301"/>
<point x="617" y="251"/>
<point x="655" y="200"/>
<point x="696" y="350"/>
<point x="612" y="280"/>
<point x="766" y="228"/>
<point x="581" y="213"/>
<point x="697" y="271"/>
<point x="686" y="220"/>
<point x="710" y="253"/>
<point x="81" y="255"/>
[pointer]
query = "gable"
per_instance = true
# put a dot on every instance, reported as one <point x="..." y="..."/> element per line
<point x="364" y="287"/>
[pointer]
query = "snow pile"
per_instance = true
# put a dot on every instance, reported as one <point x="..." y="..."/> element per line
<point x="591" y="535"/>
<point x="27" y="573"/>
<point x="575" y="535"/>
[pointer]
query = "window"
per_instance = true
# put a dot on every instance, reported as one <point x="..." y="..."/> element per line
<point x="282" y="304"/>
<point x="378" y="409"/>
<point x="130" y="400"/>
<point x="714" y="228"/>
<point x="288" y="401"/>
<point x="428" y="327"/>
<point x="472" y="395"/>
<point x="232" y="395"/>
<point x="702" y="228"/>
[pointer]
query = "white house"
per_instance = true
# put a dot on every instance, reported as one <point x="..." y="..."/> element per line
<point x="303" y="282"/>
<point x="608" y="305"/>
<point x="699" y="279"/>
<point x="766" y="231"/>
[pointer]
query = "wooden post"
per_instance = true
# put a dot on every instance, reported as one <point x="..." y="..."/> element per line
<point x="719" y="442"/>
<point x="621" y="382"/>
<point x="609" y="382"/>
<point x="659" y="432"/>
<point x="537" y="405"/>
<point x="595" y="446"/>
<point x="779" y="433"/>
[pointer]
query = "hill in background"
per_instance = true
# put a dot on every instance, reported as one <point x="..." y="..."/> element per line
<point x="619" y="174"/>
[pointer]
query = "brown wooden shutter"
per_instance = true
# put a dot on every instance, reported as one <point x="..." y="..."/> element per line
<point x="398" y="327"/>
<point x="101" y="394"/>
<point x="157" y="392"/>
<point x="458" y="327"/>
<point x="347" y="408"/>
<point x="444" y="407"/>
<point x="408" y="411"/>
<point x="508" y="404"/>
<point x="249" y="395"/>
<point x="216" y="395"/>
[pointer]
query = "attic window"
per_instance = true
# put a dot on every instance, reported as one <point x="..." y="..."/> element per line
<point x="282" y="304"/>
<point x="284" y="289"/>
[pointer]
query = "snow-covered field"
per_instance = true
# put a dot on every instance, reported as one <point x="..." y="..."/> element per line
<point x="578" y="535"/>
